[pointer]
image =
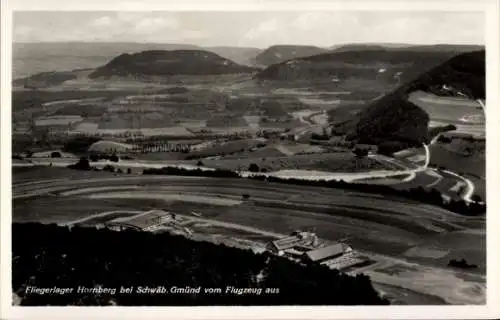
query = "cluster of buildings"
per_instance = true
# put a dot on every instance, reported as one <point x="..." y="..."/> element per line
<point x="306" y="247"/>
<point x="300" y="246"/>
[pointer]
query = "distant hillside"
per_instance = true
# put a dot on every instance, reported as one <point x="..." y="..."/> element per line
<point x="367" y="46"/>
<point x="464" y="74"/>
<point x="33" y="58"/>
<point x="163" y="63"/>
<point x="48" y="79"/>
<point x="405" y="63"/>
<point x="280" y="53"/>
<point x="394" y="118"/>
<point x="456" y="48"/>
<point x="240" y="55"/>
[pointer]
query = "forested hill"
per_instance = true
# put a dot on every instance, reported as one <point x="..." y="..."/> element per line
<point x="364" y="63"/>
<point x="464" y="73"/>
<point x="58" y="256"/>
<point x="394" y="118"/>
<point x="280" y="53"/>
<point x="164" y="63"/>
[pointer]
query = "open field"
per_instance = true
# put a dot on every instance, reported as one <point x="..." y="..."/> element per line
<point x="333" y="162"/>
<point x="474" y="165"/>
<point x="466" y="114"/>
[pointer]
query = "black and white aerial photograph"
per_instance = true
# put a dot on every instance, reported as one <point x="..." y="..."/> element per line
<point x="248" y="158"/>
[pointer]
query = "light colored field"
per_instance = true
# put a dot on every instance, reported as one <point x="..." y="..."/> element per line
<point x="424" y="252"/>
<point x="302" y="115"/>
<point x="324" y="175"/>
<point x="148" y="164"/>
<point x="87" y="127"/>
<point x="447" y="284"/>
<point x="96" y="189"/>
<point x="320" y="118"/>
<point x="298" y="148"/>
<point x="166" y="197"/>
<point x="57" y="120"/>
<point x="302" y="92"/>
<point x="443" y="101"/>
<point x="104" y="146"/>
<point x="451" y="110"/>
<point x="148" y="132"/>
<point x="193" y="124"/>
<point x="253" y="122"/>
<point x="320" y="102"/>
<point x="71" y="101"/>
<point x="47" y="154"/>
<point x="333" y="163"/>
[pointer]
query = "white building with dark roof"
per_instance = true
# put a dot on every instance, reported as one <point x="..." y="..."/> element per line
<point x="299" y="241"/>
<point x="325" y="253"/>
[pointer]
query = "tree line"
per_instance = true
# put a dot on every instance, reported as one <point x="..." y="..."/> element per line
<point x="420" y="194"/>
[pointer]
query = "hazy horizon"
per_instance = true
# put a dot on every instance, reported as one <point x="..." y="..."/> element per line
<point x="250" y="29"/>
<point x="249" y="47"/>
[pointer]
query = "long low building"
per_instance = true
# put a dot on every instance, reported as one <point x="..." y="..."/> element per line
<point x="146" y="221"/>
<point x="328" y="252"/>
<point x="302" y="241"/>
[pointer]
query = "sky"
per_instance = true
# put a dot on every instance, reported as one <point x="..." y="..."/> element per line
<point x="251" y="29"/>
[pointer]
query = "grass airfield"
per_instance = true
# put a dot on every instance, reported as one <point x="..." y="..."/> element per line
<point x="392" y="232"/>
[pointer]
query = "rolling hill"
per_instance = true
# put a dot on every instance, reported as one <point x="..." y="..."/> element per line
<point x="240" y="55"/>
<point x="51" y="78"/>
<point x="463" y="73"/>
<point x="406" y="46"/>
<point x="366" y="46"/>
<point x="394" y="118"/>
<point x="33" y="58"/>
<point x="279" y="53"/>
<point x="164" y="63"/>
<point x="406" y="63"/>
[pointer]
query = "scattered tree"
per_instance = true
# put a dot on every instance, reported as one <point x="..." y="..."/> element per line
<point x="444" y="139"/>
<point x="93" y="157"/>
<point x="476" y="198"/>
<point x="360" y="152"/>
<point x="108" y="168"/>
<point x="82" y="164"/>
<point x="253" y="167"/>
